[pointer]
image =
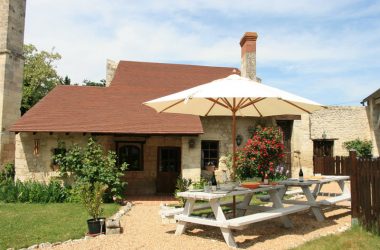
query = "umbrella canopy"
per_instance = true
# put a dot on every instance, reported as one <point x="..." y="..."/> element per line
<point x="234" y="96"/>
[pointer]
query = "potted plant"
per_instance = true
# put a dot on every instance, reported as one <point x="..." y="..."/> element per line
<point x="92" y="199"/>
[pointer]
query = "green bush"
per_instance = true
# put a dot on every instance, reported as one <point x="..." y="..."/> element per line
<point x="362" y="147"/>
<point x="92" y="198"/>
<point x="8" y="172"/>
<point x="90" y="164"/>
<point x="182" y="185"/>
<point x="32" y="192"/>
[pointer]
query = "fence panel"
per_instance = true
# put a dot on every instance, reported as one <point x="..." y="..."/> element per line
<point x="365" y="184"/>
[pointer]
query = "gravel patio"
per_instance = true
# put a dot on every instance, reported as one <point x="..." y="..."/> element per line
<point x="143" y="229"/>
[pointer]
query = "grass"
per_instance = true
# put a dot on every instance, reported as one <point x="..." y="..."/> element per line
<point x="23" y="225"/>
<point x="355" y="238"/>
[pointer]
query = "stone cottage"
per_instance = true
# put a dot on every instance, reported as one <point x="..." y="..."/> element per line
<point x="158" y="147"/>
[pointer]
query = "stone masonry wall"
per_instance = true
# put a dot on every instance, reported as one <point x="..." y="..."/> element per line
<point x="340" y="123"/>
<point x="32" y="166"/>
<point x="373" y="114"/>
<point x="12" y="17"/>
<point x="218" y="129"/>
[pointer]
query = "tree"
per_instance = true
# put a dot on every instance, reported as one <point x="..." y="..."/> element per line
<point x="91" y="164"/>
<point x="40" y="75"/>
<point x="101" y="83"/>
<point x="362" y="147"/>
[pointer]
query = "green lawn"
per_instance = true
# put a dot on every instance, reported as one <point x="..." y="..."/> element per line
<point x="23" y="225"/>
<point x="355" y="238"/>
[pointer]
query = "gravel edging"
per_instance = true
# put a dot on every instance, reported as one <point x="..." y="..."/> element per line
<point x="112" y="227"/>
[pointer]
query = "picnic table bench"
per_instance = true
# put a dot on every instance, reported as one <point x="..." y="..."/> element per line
<point x="220" y="220"/>
<point x="311" y="196"/>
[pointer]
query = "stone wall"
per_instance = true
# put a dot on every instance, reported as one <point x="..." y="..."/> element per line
<point x="339" y="123"/>
<point x="34" y="165"/>
<point x="373" y="114"/>
<point x="12" y="17"/>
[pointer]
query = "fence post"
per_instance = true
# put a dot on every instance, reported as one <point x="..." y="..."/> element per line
<point x="354" y="188"/>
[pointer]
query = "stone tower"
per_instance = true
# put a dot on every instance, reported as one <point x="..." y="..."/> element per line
<point x="12" y="20"/>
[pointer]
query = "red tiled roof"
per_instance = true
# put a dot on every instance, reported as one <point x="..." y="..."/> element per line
<point x="119" y="108"/>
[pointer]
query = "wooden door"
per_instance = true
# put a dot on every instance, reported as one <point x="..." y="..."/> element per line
<point x="168" y="169"/>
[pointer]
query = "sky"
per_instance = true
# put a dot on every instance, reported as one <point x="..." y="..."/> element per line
<point x="327" y="51"/>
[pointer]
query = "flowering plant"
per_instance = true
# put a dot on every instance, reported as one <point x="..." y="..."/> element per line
<point x="262" y="154"/>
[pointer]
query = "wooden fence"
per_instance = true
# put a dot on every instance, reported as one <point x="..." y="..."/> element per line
<point x="339" y="165"/>
<point x="365" y="185"/>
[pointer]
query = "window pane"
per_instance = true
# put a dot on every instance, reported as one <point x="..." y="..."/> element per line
<point x="132" y="155"/>
<point x="169" y="160"/>
<point x="209" y="153"/>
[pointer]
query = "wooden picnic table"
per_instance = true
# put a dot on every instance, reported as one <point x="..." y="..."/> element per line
<point x="311" y="195"/>
<point x="225" y="225"/>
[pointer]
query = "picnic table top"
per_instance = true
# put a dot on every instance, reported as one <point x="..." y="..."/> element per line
<point x="313" y="180"/>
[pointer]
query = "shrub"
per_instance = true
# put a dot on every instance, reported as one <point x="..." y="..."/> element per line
<point x="261" y="155"/>
<point x="32" y="192"/>
<point x="362" y="147"/>
<point x="92" y="198"/>
<point x="8" y="172"/>
<point x="90" y="164"/>
<point x="182" y="185"/>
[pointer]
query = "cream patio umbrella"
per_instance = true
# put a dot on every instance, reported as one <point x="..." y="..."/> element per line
<point x="234" y="96"/>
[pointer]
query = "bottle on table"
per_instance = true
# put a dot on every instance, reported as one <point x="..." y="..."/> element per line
<point x="266" y="179"/>
<point x="300" y="175"/>
<point x="213" y="182"/>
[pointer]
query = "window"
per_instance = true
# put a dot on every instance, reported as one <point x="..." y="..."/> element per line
<point x="323" y="148"/>
<point x="132" y="154"/>
<point x="210" y="153"/>
<point x="169" y="159"/>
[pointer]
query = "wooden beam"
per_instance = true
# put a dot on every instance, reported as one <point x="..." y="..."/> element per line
<point x="287" y="117"/>
<point x="172" y="105"/>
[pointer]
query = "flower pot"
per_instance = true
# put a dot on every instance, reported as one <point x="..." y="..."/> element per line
<point x="96" y="226"/>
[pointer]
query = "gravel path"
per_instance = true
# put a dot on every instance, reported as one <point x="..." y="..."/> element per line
<point x="143" y="229"/>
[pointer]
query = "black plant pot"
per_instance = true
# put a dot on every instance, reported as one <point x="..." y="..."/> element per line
<point x="96" y="226"/>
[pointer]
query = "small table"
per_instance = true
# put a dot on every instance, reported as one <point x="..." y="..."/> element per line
<point x="311" y="196"/>
<point x="225" y="224"/>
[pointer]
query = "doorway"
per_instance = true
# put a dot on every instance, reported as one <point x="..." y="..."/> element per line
<point x="287" y="128"/>
<point x="168" y="169"/>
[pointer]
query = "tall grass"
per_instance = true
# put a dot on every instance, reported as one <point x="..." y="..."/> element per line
<point x="32" y="192"/>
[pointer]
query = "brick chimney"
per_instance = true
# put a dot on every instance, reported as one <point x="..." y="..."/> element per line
<point x="248" y="55"/>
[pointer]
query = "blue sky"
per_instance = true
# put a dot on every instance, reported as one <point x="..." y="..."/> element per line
<point x="327" y="51"/>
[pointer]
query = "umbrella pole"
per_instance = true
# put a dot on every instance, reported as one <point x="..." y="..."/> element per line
<point x="233" y="159"/>
<point x="233" y="145"/>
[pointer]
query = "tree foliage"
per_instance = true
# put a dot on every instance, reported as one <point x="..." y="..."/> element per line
<point x="40" y="75"/>
<point x="90" y="164"/>
<point x="362" y="147"/>
<point x="101" y="83"/>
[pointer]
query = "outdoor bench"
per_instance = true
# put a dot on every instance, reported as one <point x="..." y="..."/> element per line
<point x="334" y="200"/>
<point x="239" y="222"/>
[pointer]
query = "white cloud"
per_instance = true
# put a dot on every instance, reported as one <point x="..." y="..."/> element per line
<point x="306" y="39"/>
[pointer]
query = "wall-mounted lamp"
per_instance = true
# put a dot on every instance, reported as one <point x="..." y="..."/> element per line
<point x="191" y="143"/>
<point x="239" y="140"/>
